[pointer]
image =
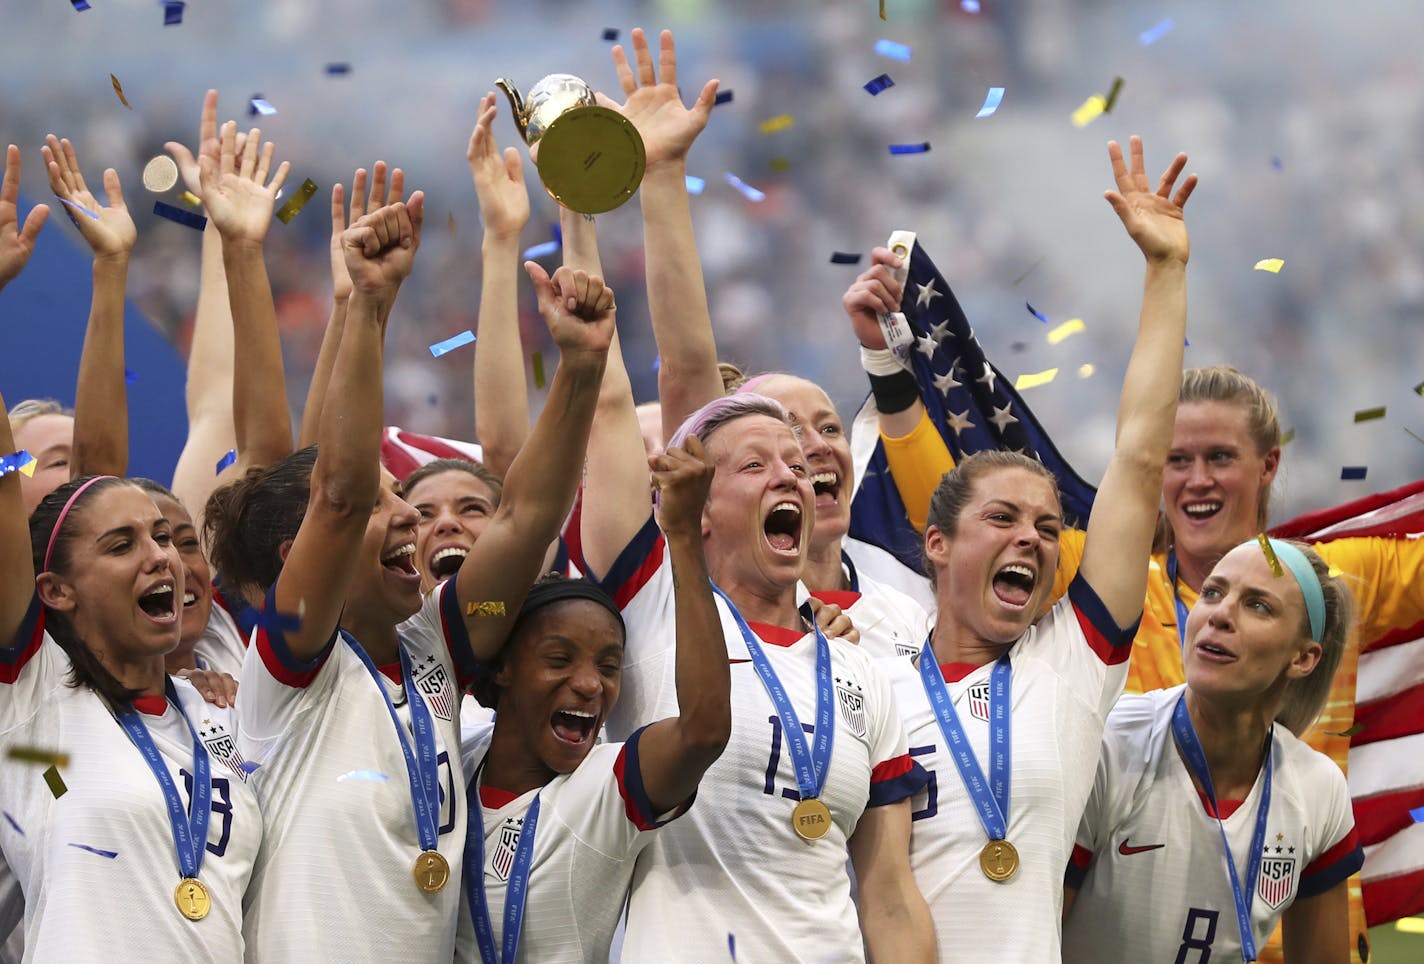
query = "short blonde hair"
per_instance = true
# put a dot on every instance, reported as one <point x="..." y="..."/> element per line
<point x="32" y="408"/>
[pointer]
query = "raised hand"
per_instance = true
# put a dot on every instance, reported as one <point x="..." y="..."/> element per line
<point x="576" y="306"/>
<point x="380" y="247"/>
<point x="875" y="292"/>
<point x="16" y="243"/>
<point x="499" y="178"/>
<point x="383" y="192"/>
<point x="208" y="143"/>
<point x="654" y="104"/>
<point x="109" y="231"/>
<point x="682" y="477"/>
<point x="234" y="185"/>
<point x="1153" y="218"/>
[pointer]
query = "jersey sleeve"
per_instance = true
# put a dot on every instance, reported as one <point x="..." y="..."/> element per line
<point x="1084" y="646"/>
<point x="1387" y="579"/>
<point x="917" y="463"/>
<point x="605" y="805"/>
<point x="31" y="666"/>
<point x="1070" y="557"/>
<point x="1339" y="853"/>
<point x="894" y="774"/>
<point x="17" y="652"/>
<point x="276" y="686"/>
<point x="440" y="612"/>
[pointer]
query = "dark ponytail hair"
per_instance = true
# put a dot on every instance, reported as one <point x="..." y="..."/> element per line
<point x="85" y="667"/>
<point x="247" y="520"/>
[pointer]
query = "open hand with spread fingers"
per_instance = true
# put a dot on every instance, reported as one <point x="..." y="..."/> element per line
<point x="499" y="178"/>
<point x="654" y="104"/>
<point x="109" y="231"/>
<point x="236" y="189"/>
<point x="1153" y="218"/>
<point x="16" y="243"/>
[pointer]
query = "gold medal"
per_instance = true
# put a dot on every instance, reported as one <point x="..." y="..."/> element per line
<point x="999" y="860"/>
<point x="192" y="898"/>
<point x="432" y="871"/>
<point x="811" y="819"/>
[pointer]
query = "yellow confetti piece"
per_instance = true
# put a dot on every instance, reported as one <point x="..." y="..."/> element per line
<point x="1270" y="552"/>
<point x="1070" y="327"/>
<point x="1369" y="414"/>
<point x="1410" y="925"/>
<point x="778" y="123"/>
<point x="1287" y="437"/>
<point x="32" y="754"/>
<point x="780" y="164"/>
<point x="1089" y="110"/>
<point x="882" y="10"/>
<point x="55" y="782"/>
<point x="1036" y="379"/>
<point x="538" y="363"/>
<point x="294" y="204"/>
<point x="450" y="222"/>
<point x="191" y="200"/>
<point x="1357" y="728"/>
<point x="1086" y="370"/>
<point x="1333" y="572"/>
<point x="119" y="89"/>
<point x="28" y="469"/>
<point x="484" y="609"/>
<point x="1273" y="265"/>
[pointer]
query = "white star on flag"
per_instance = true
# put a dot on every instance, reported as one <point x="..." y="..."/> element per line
<point x="988" y="377"/>
<point x="926" y="295"/>
<point x="959" y="421"/>
<point x="940" y="331"/>
<point x="926" y="346"/>
<point x="1001" y="417"/>
<point x="946" y="382"/>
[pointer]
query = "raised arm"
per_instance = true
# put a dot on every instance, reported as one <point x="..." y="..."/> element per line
<point x="380" y="249"/>
<point x="1119" y="538"/>
<point x="501" y="395"/>
<point x="539" y="488"/>
<point x="16" y="243"/>
<point x="677" y="297"/>
<point x="674" y="753"/>
<point x="17" y="566"/>
<point x="239" y="197"/>
<point x="101" y="414"/>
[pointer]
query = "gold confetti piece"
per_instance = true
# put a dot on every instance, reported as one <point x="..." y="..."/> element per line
<point x="1333" y="572"/>
<point x="1089" y="110"/>
<point x="160" y="174"/>
<point x="1112" y="95"/>
<point x="778" y="123"/>
<point x="1411" y="435"/>
<point x="450" y="222"/>
<point x="119" y="89"/>
<point x="1070" y="327"/>
<point x="1086" y="370"/>
<point x="1287" y="437"/>
<point x="1036" y="379"/>
<point x="1369" y="414"/>
<point x="1419" y="389"/>
<point x="1273" y="265"/>
<point x="294" y="204"/>
<point x="781" y="164"/>
<point x="31" y="754"/>
<point x="1357" y="728"/>
<point x="55" y="782"/>
<point x="1410" y="925"/>
<point x="882" y="10"/>
<point x="28" y="469"/>
<point x="484" y="609"/>
<point x="538" y="362"/>
<point x="1270" y="552"/>
<point x="191" y="200"/>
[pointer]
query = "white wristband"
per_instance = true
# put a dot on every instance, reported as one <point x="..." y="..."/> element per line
<point x="880" y="361"/>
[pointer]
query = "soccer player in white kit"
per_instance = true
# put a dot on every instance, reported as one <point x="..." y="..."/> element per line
<point x="1187" y="770"/>
<point x="1007" y="714"/>
<point x="563" y="819"/>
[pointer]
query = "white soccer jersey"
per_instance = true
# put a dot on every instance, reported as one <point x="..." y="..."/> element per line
<point x="334" y="881"/>
<point x="1152" y="878"/>
<point x="12" y="915"/>
<point x="98" y="864"/>
<point x="591" y="828"/>
<point x="890" y="623"/>
<point x="873" y="561"/>
<point x="222" y="647"/>
<point x="1067" y="671"/>
<point x="733" y="866"/>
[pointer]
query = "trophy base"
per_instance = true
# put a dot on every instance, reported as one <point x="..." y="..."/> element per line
<point x="591" y="159"/>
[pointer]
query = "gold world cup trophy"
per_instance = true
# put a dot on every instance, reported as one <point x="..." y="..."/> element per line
<point x="590" y="158"/>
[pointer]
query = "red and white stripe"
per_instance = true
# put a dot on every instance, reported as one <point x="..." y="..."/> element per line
<point x="403" y="452"/>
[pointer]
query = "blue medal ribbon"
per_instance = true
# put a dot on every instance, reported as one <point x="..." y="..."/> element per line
<point x="190" y="829"/>
<point x="810" y="763"/>
<point x="1176" y="598"/>
<point x="516" y="892"/>
<point x="991" y="797"/>
<point x="422" y="765"/>
<point x="1192" y="752"/>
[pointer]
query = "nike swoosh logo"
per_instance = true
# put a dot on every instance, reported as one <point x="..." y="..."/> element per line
<point x="1127" y="851"/>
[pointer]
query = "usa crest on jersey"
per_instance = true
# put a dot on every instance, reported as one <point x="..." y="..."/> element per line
<point x="979" y="701"/>
<point x="223" y="748"/>
<point x="906" y="649"/>
<point x="502" y="859"/>
<point x="1277" y="880"/>
<point x="852" y="702"/>
<point x="434" y="685"/>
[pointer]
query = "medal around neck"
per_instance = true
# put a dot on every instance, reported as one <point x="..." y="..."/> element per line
<point x="999" y="860"/>
<point x="192" y="898"/>
<point x="432" y="871"/>
<point x="811" y="819"/>
<point x="591" y="158"/>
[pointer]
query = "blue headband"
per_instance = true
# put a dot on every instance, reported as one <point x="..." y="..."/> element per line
<point x="1306" y="578"/>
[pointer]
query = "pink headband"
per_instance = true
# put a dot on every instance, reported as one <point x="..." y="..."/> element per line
<point x="54" y="533"/>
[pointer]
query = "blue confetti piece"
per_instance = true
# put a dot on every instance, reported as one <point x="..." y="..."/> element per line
<point x="969" y="6"/>
<point x="172" y="12"/>
<point x="537" y="251"/>
<point x="111" y="854"/>
<point x="723" y="97"/>
<point x="610" y="34"/>
<point x="77" y="207"/>
<point x="921" y="148"/>
<point x="876" y="84"/>
<point x="463" y="338"/>
<point x="229" y="459"/>
<point x="1352" y="473"/>
<point x="14" y="462"/>
<point x="259" y="106"/>
<point x="371" y="775"/>
<point x="80" y="5"/>
<point x="695" y="185"/>
<point x="248" y="767"/>
<point x="732" y="945"/>
<point x="1276" y="163"/>
<point x="745" y="189"/>
<point x="1417" y="815"/>
<point x="893" y="50"/>
<point x="657" y="362"/>
<point x="186" y="218"/>
<point x="130" y="376"/>
<point x="557" y="233"/>
<point x="1036" y="313"/>
<point x="844" y="257"/>
<point x="338" y="69"/>
<point x="1149" y="37"/>
<point x="992" y="100"/>
<point x="13" y="823"/>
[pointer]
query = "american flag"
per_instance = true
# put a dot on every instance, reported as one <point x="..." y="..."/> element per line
<point x="403" y="452"/>
<point x="974" y="407"/>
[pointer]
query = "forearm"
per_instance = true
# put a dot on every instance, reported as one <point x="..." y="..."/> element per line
<point x="349" y="437"/>
<point x="616" y="498"/>
<point x="17" y="574"/>
<point x="101" y="420"/>
<point x="261" y="416"/>
<point x="321" y="374"/>
<point x="580" y="241"/>
<point x="703" y="679"/>
<point x="1154" y="372"/>
<point x="677" y="298"/>
<point x="501" y="393"/>
<point x="897" y="925"/>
